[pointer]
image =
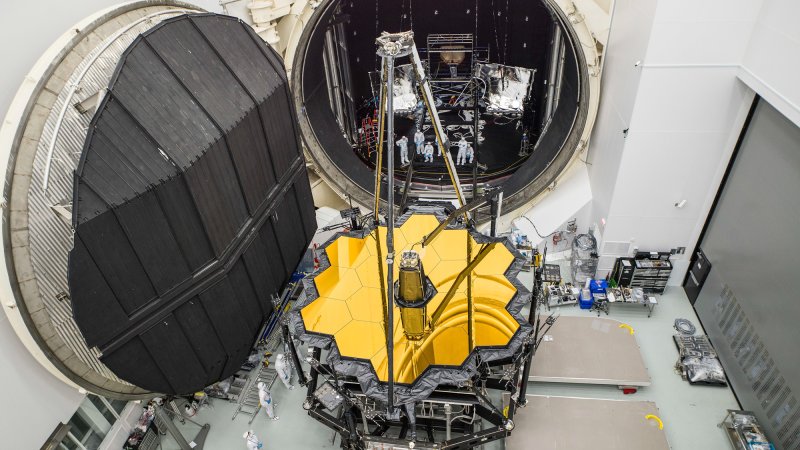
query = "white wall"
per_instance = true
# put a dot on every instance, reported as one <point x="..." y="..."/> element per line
<point x="772" y="61"/>
<point x="689" y="109"/>
<point x="627" y="44"/>
<point x="34" y="402"/>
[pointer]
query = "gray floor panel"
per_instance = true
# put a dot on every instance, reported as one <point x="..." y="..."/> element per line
<point x="556" y="423"/>
<point x="590" y="350"/>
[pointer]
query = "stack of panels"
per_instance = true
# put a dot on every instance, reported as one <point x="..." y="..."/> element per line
<point x="192" y="205"/>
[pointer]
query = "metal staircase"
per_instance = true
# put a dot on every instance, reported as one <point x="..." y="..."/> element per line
<point x="248" y="403"/>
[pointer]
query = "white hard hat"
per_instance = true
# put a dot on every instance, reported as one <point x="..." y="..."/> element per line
<point x="261" y="385"/>
<point x="246" y="434"/>
<point x="280" y="356"/>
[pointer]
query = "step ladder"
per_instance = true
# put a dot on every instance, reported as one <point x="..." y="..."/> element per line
<point x="368" y="139"/>
<point x="248" y="402"/>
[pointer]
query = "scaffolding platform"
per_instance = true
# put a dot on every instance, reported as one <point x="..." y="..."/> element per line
<point x="590" y="350"/>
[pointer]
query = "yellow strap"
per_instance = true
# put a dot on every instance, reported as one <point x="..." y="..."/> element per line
<point x="505" y="411"/>
<point x="625" y="325"/>
<point x="656" y="418"/>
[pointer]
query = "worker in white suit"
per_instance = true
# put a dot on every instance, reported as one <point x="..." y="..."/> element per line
<point x="462" y="151"/>
<point x="428" y="152"/>
<point x="470" y="154"/>
<point x="284" y="370"/>
<point x="403" y="144"/>
<point x="265" y="398"/>
<point x="419" y="139"/>
<point x="252" y="440"/>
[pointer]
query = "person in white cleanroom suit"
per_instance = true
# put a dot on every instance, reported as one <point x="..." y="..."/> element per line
<point x="252" y="440"/>
<point x="419" y="139"/>
<point x="265" y="398"/>
<point x="470" y="154"/>
<point x="284" y="370"/>
<point x="428" y="152"/>
<point x="462" y="151"/>
<point x="403" y="144"/>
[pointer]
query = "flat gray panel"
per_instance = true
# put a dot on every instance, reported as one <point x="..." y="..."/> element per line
<point x="576" y="351"/>
<point x="749" y="304"/>
<point x="566" y="423"/>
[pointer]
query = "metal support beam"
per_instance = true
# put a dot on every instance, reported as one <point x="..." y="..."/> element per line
<point x="441" y="136"/>
<point x="475" y="440"/>
<point x="379" y="156"/>
<point x="522" y="400"/>
<point x="476" y="123"/>
<point x="382" y="278"/>
<point x="287" y="338"/>
<point x="473" y="205"/>
<point x="488" y="411"/>
<point x="390" y="232"/>
<point x="470" y="300"/>
<point x="448" y="413"/>
<point x="407" y="185"/>
<point x="459" y="279"/>
<point x="495" y="211"/>
<point x="330" y="421"/>
<point x="313" y="377"/>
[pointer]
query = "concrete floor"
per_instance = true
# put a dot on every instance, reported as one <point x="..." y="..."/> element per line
<point x="690" y="413"/>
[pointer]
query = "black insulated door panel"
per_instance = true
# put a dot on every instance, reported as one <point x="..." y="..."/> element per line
<point x="204" y="340"/>
<point x="215" y="190"/>
<point x="186" y="52"/>
<point x="181" y="213"/>
<point x="154" y="242"/>
<point x="264" y="264"/>
<point x="106" y="312"/>
<point x="135" y="361"/>
<point x="176" y="358"/>
<point x="109" y="248"/>
<point x="189" y="156"/>
<point x="254" y="309"/>
<point x="251" y="158"/>
<point x="230" y="324"/>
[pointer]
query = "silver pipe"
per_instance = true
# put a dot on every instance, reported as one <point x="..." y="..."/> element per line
<point x="562" y="51"/>
<point x="448" y="411"/>
<point x="552" y="72"/>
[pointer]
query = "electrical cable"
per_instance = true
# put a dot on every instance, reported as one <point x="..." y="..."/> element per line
<point x="535" y="229"/>
<point x="684" y="327"/>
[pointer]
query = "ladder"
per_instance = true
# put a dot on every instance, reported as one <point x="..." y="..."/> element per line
<point x="369" y="137"/>
<point x="248" y="402"/>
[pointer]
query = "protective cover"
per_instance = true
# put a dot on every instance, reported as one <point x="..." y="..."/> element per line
<point x="192" y="205"/>
<point x="434" y="375"/>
